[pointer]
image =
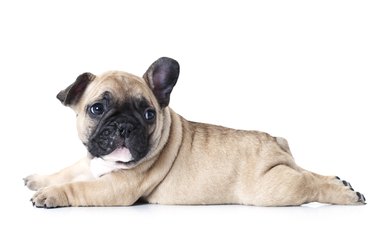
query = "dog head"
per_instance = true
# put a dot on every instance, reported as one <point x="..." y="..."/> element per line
<point x="120" y="116"/>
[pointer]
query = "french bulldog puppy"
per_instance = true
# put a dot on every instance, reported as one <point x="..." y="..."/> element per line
<point x="140" y="149"/>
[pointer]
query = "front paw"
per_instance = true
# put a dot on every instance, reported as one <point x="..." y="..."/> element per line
<point x="50" y="197"/>
<point x="35" y="182"/>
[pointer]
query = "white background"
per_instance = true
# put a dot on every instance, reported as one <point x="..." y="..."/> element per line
<point x="303" y="70"/>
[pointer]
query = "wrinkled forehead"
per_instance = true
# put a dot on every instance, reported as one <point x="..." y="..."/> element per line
<point x="121" y="86"/>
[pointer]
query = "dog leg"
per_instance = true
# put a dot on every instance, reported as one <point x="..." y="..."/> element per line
<point x="286" y="186"/>
<point x="80" y="171"/>
<point x="114" y="189"/>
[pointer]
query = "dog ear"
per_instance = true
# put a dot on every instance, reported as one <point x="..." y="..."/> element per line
<point x="161" y="77"/>
<point x="73" y="93"/>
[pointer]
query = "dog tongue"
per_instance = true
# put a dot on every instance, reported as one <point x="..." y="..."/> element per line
<point x="119" y="155"/>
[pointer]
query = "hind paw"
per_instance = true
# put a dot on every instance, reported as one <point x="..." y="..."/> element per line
<point x="348" y="195"/>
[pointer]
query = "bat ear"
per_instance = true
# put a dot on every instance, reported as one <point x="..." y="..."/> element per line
<point x="161" y="77"/>
<point x="71" y="95"/>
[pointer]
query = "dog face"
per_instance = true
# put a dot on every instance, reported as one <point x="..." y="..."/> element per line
<point x="119" y="115"/>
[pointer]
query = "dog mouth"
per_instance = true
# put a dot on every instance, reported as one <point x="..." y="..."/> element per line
<point x="119" y="155"/>
<point x="119" y="159"/>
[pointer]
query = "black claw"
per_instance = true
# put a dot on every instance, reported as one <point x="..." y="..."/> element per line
<point x="347" y="183"/>
<point x="338" y="178"/>
<point x="361" y="197"/>
<point x="351" y="189"/>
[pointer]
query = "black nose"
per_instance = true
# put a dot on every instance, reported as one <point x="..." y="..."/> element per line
<point x="126" y="129"/>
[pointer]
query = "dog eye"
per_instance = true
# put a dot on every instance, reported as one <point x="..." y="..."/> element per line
<point x="97" y="109"/>
<point x="149" y="114"/>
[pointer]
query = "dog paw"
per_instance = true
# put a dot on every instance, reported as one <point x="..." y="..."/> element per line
<point x="350" y="193"/>
<point x="50" y="197"/>
<point x="35" y="182"/>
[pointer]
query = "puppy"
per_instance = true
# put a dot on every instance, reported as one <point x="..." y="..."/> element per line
<point x="140" y="149"/>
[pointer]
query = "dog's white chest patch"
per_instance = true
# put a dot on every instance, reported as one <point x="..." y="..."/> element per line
<point x="100" y="167"/>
